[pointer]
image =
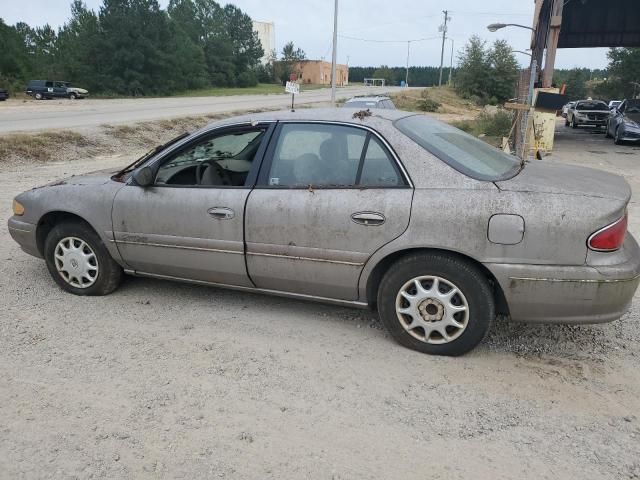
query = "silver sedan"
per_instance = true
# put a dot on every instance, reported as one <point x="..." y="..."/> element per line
<point x="382" y="209"/>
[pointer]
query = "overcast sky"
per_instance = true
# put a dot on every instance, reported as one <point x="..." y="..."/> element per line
<point x="309" y="24"/>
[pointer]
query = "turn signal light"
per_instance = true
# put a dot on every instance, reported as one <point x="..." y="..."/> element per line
<point x="18" y="208"/>
<point x="609" y="238"/>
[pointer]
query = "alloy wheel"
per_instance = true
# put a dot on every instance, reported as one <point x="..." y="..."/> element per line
<point x="432" y="309"/>
<point x="76" y="262"/>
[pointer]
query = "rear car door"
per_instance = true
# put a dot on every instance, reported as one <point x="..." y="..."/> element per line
<point x="189" y="223"/>
<point x="328" y="196"/>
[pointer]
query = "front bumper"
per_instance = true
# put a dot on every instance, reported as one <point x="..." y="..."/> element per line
<point x="571" y="294"/>
<point x="594" y="123"/>
<point x="25" y="235"/>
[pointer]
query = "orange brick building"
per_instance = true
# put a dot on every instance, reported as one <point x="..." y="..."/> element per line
<point x="318" y="72"/>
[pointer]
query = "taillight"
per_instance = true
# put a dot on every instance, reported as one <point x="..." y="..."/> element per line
<point x="609" y="238"/>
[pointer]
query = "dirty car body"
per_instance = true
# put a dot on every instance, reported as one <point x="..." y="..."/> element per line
<point x="387" y="209"/>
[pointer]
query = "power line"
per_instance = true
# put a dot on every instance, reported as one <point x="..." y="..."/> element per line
<point x="374" y="40"/>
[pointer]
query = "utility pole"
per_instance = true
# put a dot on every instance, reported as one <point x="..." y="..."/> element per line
<point x="334" y="55"/>
<point x="444" y="37"/>
<point x="451" y="64"/>
<point x="406" y="77"/>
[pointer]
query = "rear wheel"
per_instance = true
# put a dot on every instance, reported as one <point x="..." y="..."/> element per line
<point x="436" y="303"/>
<point x="79" y="262"/>
<point x="38" y="96"/>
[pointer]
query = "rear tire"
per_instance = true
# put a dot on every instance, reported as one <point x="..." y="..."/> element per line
<point x="464" y="319"/>
<point x="71" y="245"/>
<point x="38" y="96"/>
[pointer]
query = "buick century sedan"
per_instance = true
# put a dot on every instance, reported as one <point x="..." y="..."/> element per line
<point x="384" y="209"/>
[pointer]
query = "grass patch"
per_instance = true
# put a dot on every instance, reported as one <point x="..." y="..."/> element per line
<point x="440" y="99"/>
<point x="260" y="89"/>
<point x="40" y="147"/>
<point x="491" y="127"/>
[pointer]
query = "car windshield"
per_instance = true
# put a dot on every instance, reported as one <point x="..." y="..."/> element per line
<point x="465" y="153"/>
<point x="633" y="106"/>
<point x="592" y="106"/>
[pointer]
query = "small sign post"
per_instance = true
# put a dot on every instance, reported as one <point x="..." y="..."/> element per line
<point x="293" y="88"/>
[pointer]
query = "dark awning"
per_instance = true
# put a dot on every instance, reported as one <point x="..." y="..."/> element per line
<point x="600" y="23"/>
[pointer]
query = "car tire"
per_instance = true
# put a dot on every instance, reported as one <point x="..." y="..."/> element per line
<point x="398" y="291"/>
<point x="38" y="96"/>
<point x="566" y="121"/>
<point x="75" y="245"/>
<point x="573" y="123"/>
<point x="72" y="96"/>
<point x="616" y="138"/>
<point x="607" y="134"/>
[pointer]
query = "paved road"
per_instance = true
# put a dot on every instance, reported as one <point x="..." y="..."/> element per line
<point x="54" y="114"/>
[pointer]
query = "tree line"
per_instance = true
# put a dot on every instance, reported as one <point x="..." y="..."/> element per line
<point x="134" y="47"/>
<point x="418" y="76"/>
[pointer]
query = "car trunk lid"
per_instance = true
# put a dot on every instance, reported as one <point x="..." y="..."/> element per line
<point x="562" y="179"/>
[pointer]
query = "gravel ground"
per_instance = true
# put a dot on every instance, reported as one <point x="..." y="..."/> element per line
<point x="164" y="380"/>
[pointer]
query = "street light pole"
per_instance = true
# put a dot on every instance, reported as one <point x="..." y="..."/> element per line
<point x="334" y="54"/>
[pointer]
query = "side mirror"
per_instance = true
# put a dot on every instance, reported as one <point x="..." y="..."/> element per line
<point x="143" y="176"/>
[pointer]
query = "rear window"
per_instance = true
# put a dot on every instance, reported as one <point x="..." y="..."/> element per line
<point x="465" y="153"/>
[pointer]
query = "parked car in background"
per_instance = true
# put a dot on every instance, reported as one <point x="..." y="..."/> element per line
<point x="4" y="94"/>
<point x="328" y="205"/>
<point x="378" y="101"/>
<point x="566" y="108"/>
<point x="624" y="123"/>
<point x="614" y="104"/>
<point x="593" y="113"/>
<point x="42" y="89"/>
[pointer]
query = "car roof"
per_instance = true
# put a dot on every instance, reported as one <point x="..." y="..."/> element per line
<point x="314" y="114"/>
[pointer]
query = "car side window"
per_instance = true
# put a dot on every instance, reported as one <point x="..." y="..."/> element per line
<point x="379" y="170"/>
<point x="330" y="156"/>
<point x="215" y="161"/>
<point x="622" y="107"/>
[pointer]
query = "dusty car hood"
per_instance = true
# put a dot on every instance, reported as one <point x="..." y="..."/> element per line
<point x="77" y="90"/>
<point x="98" y="177"/>
<point x="555" y="178"/>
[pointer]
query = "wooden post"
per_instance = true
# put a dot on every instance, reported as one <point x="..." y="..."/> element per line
<point x="552" y="42"/>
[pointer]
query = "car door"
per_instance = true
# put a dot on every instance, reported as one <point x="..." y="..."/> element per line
<point x="59" y="89"/>
<point x="328" y="196"/>
<point x="617" y="117"/>
<point x="189" y="223"/>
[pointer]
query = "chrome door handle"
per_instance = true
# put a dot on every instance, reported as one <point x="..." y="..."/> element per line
<point x="368" y="218"/>
<point x="221" y="213"/>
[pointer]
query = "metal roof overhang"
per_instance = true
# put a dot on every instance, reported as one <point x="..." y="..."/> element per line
<point x="600" y="23"/>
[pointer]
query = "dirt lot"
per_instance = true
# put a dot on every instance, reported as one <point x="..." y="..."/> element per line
<point x="164" y="380"/>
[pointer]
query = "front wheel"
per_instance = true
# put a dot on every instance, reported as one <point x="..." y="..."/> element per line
<point x="573" y="122"/>
<point x="38" y="96"/>
<point x="79" y="262"/>
<point x="617" y="138"/>
<point x="436" y="303"/>
<point x="73" y="96"/>
<point x="607" y="134"/>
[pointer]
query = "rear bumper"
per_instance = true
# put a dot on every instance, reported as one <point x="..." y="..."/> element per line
<point x="25" y="235"/>
<point x="568" y="294"/>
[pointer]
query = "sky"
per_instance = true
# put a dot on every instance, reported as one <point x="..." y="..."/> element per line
<point x="391" y="23"/>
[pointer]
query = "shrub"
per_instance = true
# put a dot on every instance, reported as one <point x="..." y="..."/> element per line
<point x="427" y="104"/>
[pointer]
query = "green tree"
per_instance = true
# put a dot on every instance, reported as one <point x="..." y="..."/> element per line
<point x="504" y="72"/>
<point x="576" y="82"/>
<point x="474" y="67"/>
<point x="14" y="60"/>
<point x="290" y="55"/>
<point x="624" y="73"/>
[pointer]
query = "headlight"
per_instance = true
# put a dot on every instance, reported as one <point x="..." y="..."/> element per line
<point x="18" y="208"/>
